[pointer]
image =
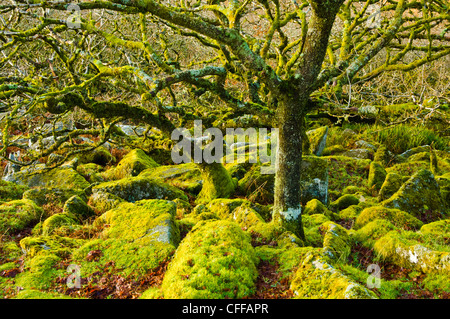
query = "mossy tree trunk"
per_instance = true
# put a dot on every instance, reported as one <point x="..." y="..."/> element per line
<point x="287" y="209"/>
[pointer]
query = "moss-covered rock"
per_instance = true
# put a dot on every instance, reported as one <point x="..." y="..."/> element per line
<point x="53" y="195"/>
<point x="444" y="185"/>
<point x="39" y="272"/>
<point x="19" y="214"/>
<point x="360" y="153"/>
<point x="77" y="207"/>
<point x="11" y="191"/>
<point x="372" y="231"/>
<point x="390" y="186"/>
<point x="103" y="201"/>
<point x="314" y="179"/>
<point x="315" y="278"/>
<point x="334" y="150"/>
<point x="440" y="228"/>
<point x="56" y="221"/>
<point x="317" y="141"/>
<point x="416" y="251"/>
<point x="256" y="186"/>
<point x="397" y="217"/>
<point x="377" y="175"/>
<point x="215" y="260"/>
<point x="91" y="172"/>
<point x="336" y="242"/>
<point x="184" y="176"/>
<point x="314" y="206"/>
<point x="100" y="156"/>
<point x="133" y="189"/>
<point x="344" y="201"/>
<point x="62" y="177"/>
<point x="131" y="164"/>
<point x="419" y="196"/>
<point x="43" y="245"/>
<point x="217" y="183"/>
<point x="350" y="212"/>
<point x="145" y="222"/>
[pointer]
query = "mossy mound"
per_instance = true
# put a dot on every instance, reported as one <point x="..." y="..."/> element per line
<point x="55" y="221"/>
<point x="217" y="183"/>
<point x="56" y="196"/>
<point x="183" y="176"/>
<point x="390" y="186"/>
<point x="62" y="177"/>
<point x="103" y="201"/>
<point x="42" y="245"/>
<point x="372" y="231"/>
<point x="314" y="206"/>
<point x="77" y="207"/>
<point x="416" y="251"/>
<point x="336" y="242"/>
<point x="91" y="172"/>
<point x="315" y="278"/>
<point x="377" y="175"/>
<point x="19" y="214"/>
<point x="133" y="189"/>
<point x="344" y="201"/>
<point x="257" y="186"/>
<point x="440" y="228"/>
<point x="397" y="217"/>
<point x="419" y="196"/>
<point x="317" y="140"/>
<point x="215" y="260"/>
<point x="131" y="164"/>
<point x="11" y="191"/>
<point x="100" y="156"/>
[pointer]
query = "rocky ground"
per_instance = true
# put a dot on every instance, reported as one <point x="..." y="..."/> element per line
<point x="376" y="225"/>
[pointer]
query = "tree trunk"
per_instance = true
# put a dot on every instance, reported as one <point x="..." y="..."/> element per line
<point x="287" y="208"/>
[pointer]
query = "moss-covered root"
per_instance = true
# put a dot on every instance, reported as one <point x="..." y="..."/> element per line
<point x="214" y="261"/>
<point x="315" y="278"/>
<point x="217" y="183"/>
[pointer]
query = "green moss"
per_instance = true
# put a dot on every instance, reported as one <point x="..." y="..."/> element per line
<point x="256" y="186"/>
<point x="39" y="272"/>
<point x="317" y="140"/>
<point x="131" y="164"/>
<point x="55" y="196"/>
<point x="100" y="156"/>
<point x="397" y="217"/>
<point x="19" y="214"/>
<point x="350" y="212"/>
<point x="217" y="183"/>
<point x="440" y="227"/>
<point x="315" y="278"/>
<point x="184" y="176"/>
<point x="390" y="186"/>
<point x="9" y="251"/>
<point x="334" y="150"/>
<point x="215" y="260"/>
<point x="145" y="222"/>
<point x="420" y="195"/>
<point x="377" y="175"/>
<point x="62" y="177"/>
<point x="37" y="294"/>
<point x="382" y="156"/>
<point x="91" y="172"/>
<point x="56" y="221"/>
<point x="372" y="231"/>
<point x="415" y="251"/>
<point x="408" y="168"/>
<point x="344" y="201"/>
<point x="75" y="206"/>
<point x="137" y="188"/>
<point x="11" y="191"/>
<point x="314" y="206"/>
<point x="336" y="242"/>
<point x="55" y="245"/>
<point x="437" y="283"/>
<point x="103" y="201"/>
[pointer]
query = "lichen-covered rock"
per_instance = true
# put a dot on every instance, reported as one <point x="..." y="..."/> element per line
<point x="19" y="214"/>
<point x="103" y="201"/>
<point x="62" y="177"/>
<point x="77" y="207"/>
<point x="390" y="186"/>
<point x="397" y="217"/>
<point x="57" y="196"/>
<point x="360" y="153"/>
<point x="419" y="149"/>
<point x="419" y="196"/>
<point x="415" y="251"/>
<point x="133" y="189"/>
<point x="314" y="179"/>
<point x="344" y="201"/>
<point x="317" y="140"/>
<point x="184" y="176"/>
<point x="315" y="278"/>
<point x="377" y="175"/>
<point x="215" y="260"/>
<point x="131" y="164"/>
